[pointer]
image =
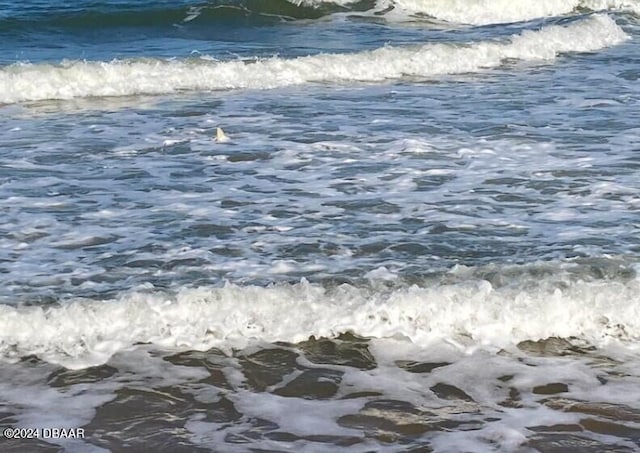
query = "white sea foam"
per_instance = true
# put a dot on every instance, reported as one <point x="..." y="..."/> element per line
<point x="469" y="313"/>
<point x="483" y="12"/>
<point x="601" y="5"/>
<point x="24" y="82"/>
<point x="317" y="3"/>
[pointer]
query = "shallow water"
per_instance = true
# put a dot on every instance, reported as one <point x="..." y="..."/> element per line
<point x="422" y="235"/>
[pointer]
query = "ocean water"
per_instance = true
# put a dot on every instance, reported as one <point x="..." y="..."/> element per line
<point x="423" y="233"/>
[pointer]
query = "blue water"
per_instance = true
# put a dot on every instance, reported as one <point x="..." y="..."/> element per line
<point x="417" y="189"/>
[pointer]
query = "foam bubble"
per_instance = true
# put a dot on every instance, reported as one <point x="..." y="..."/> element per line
<point x="24" y="82"/>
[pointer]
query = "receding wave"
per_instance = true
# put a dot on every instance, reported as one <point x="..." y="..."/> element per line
<point x="481" y="12"/>
<point x="28" y="82"/>
<point x="468" y="306"/>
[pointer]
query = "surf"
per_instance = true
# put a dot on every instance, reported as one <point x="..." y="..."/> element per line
<point x="480" y="12"/>
<point x="467" y="307"/>
<point x="22" y="82"/>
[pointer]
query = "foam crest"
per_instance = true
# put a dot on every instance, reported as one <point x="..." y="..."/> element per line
<point x="467" y="311"/>
<point x="28" y="82"/>
<point x="622" y="5"/>
<point x="317" y="3"/>
<point x="481" y="12"/>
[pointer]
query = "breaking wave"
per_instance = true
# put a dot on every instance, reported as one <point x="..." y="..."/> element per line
<point x="88" y="15"/>
<point x="467" y="307"/>
<point x="480" y="12"/>
<point x="71" y="79"/>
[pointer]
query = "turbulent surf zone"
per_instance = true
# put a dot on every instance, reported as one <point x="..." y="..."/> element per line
<point x="351" y="226"/>
<point x="496" y="357"/>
